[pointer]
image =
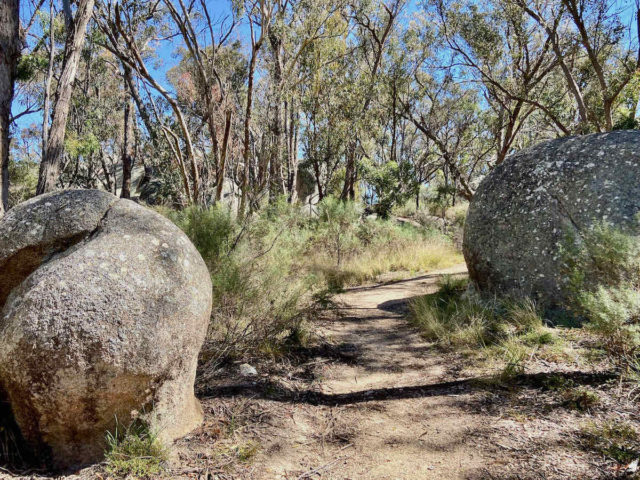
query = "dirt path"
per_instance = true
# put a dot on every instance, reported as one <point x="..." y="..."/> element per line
<point x="402" y="432"/>
<point x="374" y="401"/>
<point x="379" y="412"/>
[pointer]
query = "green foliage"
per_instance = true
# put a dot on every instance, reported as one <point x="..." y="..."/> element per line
<point x="211" y="230"/>
<point x="24" y="179"/>
<point x="580" y="398"/>
<point x="603" y="267"/>
<point x="336" y="225"/>
<point x="29" y="65"/>
<point x="273" y="270"/>
<point x="440" y="199"/>
<point x="81" y="145"/>
<point x="392" y="184"/>
<point x="614" y="439"/>
<point x="136" y="451"/>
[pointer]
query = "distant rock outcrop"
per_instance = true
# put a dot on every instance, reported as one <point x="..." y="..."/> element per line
<point x="104" y="306"/>
<point x="522" y="212"/>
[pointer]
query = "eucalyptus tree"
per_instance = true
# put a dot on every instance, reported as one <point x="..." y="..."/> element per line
<point x="196" y="26"/>
<point x="54" y="151"/>
<point x="374" y="27"/>
<point x="296" y="28"/>
<point x="510" y="58"/>
<point x="590" y="43"/>
<point x="258" y="14"/>
<point x="10" y="47"/>
<point x="130" y="41"/>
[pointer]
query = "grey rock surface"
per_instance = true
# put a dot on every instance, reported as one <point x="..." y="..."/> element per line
<point x="104" y="306"/>
<point x="522" y="212"/>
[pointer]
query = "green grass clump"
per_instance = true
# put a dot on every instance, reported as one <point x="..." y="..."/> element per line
<point x="450" y="318"/>
<point x="614" y="439"/>
<point x="135" y="451"/>
<point x="506" y="328"/>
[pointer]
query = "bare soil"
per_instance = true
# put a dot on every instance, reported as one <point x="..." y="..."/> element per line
<point x="373" y="400"/>
<point x="376" y="401"/>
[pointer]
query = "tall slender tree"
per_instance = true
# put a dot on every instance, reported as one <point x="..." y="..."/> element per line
<point x="54" y="152"/>
<point x="9" y="56"/>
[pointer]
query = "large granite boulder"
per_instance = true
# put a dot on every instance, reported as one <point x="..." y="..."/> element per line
<point x="104" y="306"/>
<point x="523" y="211"/>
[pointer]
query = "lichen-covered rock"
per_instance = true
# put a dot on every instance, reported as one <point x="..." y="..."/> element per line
<point x="522" y="212"/>
<point x="104" y="306"/>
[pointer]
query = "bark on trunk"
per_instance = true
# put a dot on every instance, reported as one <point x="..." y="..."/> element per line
<point x="47" y="86"/>
<point x="275" y="162"/>
<point x="293" y="156"/>
<point x="223" y="157"/>
<point x="9" y="55"/>
<point x="52" y="160"/>
<point x="127" y="142"/>
<point x="247" y="125"/>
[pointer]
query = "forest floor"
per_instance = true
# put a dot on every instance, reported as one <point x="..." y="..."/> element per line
<point x="373" y="400"/>
<point x="370" y="399"/>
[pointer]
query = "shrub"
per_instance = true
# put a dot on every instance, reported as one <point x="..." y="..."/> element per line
<point x="24" y="179"/>
<point x="581" y="398"/>
<point x="135" y="450"/>
<point x="212" y="231"/>
<point x="272" y="271"/>
<point x="603" y="268"/>
<point x="457" y="214"/>
<point x="259" y="295"/>
<point x="336" y="226"/>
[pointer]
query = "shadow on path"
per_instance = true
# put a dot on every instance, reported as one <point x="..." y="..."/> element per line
<point x="270" y="390"/>
<point x="397" y="282"/>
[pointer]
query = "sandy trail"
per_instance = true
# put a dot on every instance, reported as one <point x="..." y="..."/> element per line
<point x="381" y="415"/>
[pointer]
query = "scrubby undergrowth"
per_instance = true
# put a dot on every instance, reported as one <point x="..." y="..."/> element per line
<point x="273" y="271"/>
<point x="602" y="271"/>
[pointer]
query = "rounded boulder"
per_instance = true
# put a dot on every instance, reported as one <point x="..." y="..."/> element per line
<point x="104" y="306"/>
<point x="526" y="208"/>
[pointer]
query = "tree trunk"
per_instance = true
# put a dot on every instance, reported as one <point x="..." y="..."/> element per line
<point x="47" y="86"/>
<point x="127" y="142"/>
<point x="247" y="125"/>
<point x="275" y="162"/>
<point x="223" y="157"/>
<point x="9" y="55"/>
<point x="348" y="188"/>
<point x="52" y="160"/>
<point x="293" y="156"/>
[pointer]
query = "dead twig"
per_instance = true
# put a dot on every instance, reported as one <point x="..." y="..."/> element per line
<point x="324" y="467"/>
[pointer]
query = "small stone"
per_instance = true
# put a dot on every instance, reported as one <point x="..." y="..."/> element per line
<point x="247" y="370"/>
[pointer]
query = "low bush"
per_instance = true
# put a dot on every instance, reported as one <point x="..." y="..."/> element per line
<point x="603" y="269"/>
<point x="614" y="439"/>
<point x="580" y="398"/>
<point x="260" y="293"/>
